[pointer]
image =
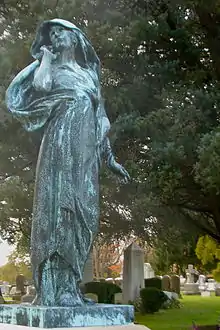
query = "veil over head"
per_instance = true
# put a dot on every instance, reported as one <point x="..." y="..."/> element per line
<point x="21" y="87"/>
<point x="84" y="52"/>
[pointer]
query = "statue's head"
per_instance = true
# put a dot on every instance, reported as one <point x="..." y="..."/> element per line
<point x="62" y="38"/>
<point x="61" y="34"/>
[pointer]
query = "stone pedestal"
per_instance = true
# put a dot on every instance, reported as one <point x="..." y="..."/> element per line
<point x="29" y="297"/>
<point x="211" y="285"/>
<point x="205" y="294"/>
<point x="67" y="317"/>
<point x="191" y="289"/>
<point x="116" y="327"/>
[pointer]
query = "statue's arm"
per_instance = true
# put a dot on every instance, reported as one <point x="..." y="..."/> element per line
<point x="111" y="163"/>
<point x="107" y="154"/>
<point x="43" y="75"/>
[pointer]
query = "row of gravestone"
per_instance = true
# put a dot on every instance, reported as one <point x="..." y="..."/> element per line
<point x="25" y="296"/>
<point x="135" y="271"/>
<point x="133" y="276"/>
<point x="118" y="297"/>
<point x="168" y="284"/>
<point x="21" y="291"/>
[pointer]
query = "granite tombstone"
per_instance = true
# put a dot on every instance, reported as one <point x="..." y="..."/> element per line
<point x="175" y="284"/>
<point x="190" y="287"/>
<point x="133" y="272"/>
<point x="166" y="283"/>
<point x="148" y="271"/>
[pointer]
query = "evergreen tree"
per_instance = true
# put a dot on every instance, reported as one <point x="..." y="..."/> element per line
<point x="160" y="81"/>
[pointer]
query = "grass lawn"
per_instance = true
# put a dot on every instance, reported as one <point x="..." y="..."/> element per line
<point x="201" y="310"/>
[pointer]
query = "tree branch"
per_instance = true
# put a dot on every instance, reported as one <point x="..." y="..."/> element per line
<point x="202" y="227"/>
<point x="16" y="172"/>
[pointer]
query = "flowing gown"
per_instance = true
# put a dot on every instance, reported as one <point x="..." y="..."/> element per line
<point x="66" y="199"/>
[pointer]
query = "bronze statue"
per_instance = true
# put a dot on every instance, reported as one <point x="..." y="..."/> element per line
<point x="61" y="92"/>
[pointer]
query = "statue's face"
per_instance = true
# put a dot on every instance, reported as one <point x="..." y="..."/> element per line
<point x="61" y="38"/>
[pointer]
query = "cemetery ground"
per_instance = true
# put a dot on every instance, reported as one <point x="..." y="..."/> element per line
<point x="201" y="310"/>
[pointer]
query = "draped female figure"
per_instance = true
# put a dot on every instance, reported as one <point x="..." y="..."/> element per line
<point x="60" y="91"/>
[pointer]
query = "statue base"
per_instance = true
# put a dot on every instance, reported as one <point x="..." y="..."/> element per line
<point x="67" y="317"/>
<point x="114" y="327"/>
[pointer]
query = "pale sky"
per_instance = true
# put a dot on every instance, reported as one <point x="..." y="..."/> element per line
<point x="5" y="250"/>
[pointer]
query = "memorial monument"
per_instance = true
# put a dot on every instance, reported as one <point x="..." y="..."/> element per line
<point x="61" y="93"/>
<point x="190" y="286"/>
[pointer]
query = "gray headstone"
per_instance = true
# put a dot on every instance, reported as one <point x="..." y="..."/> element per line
<point x="133" y="272"/>
<point x="118" y="281"/>
<point x="211" y="285"/>
<point x="166" y="283"/>
<point x="118" y="298"/>
<point x="13" y="290"/>
<point x="206" y="294"/>
<point x="88" y="270"/>
<point x="5" y="288"/>
<point x="92" y="296"/>
<point x="202" y="282"/>
<point x="20" y="284"/>
<point x="109" y="280"/>
<point x="190" y="274"/>
<point x="175" y="283"/>
<point x="29" y="297"/>
<point x="31" y="290"/>
<point x="148" y="271"/>
<point x="190" y="287"/>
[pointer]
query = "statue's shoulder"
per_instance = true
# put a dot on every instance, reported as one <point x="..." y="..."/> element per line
<point x="26" y="72"/>
<point x="29" y="69"/>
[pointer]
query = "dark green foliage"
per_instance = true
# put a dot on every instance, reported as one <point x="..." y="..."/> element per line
<point x="154" y="282"/>
<point x="137" y="303"/>
<point x="178" y="248"/>
<point x="152" y="299"/>
<point x="105" y="291"/>
<point x="161" y="83"/>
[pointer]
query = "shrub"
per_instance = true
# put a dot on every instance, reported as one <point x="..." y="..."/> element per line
<point x="154" y="282"/>
<point x="104" y="290"/>
<point x="172" y="304"/>
<point x="152" y="299"/>
<point x="138" y="306"/>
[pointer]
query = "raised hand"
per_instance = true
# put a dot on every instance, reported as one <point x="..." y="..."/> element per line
<point x="47" y="53"/>
<point x="43" y="75"/>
